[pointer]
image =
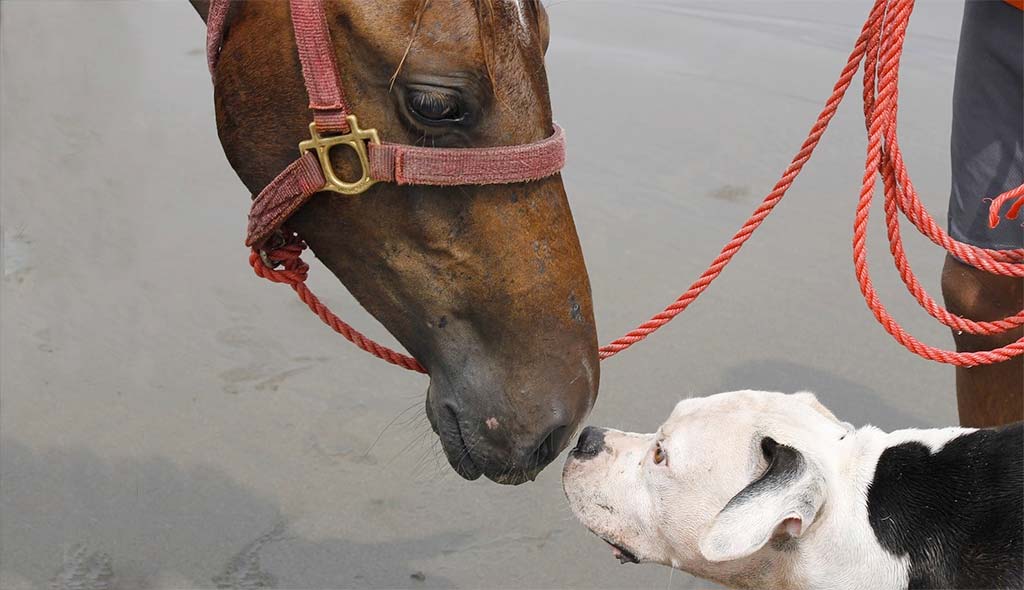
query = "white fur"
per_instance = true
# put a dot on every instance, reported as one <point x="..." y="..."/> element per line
<point x="667" y="513"/>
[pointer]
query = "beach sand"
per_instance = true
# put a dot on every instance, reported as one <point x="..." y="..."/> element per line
<point x="174" y="421"/>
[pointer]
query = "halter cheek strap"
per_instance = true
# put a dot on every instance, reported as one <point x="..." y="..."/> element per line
<point x="404" y="164"/>
<point x="334" y="124"/>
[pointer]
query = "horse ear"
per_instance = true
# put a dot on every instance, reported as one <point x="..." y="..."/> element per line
<point x="784" y="500"/>
<point x="543" y="26"/>
<point x="202" y="7"/>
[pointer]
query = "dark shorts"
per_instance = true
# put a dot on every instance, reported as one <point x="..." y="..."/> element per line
<point x="987" y="143"/>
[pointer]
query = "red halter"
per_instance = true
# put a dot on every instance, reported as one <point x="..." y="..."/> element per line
<point x="334" y="124"/>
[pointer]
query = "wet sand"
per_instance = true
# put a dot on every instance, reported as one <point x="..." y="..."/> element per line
<point x="166" y="410"/>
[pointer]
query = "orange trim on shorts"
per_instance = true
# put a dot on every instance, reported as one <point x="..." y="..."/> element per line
<point x="1016" y="3"/>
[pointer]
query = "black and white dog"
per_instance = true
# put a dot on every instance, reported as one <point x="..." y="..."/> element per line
<point x="755" y="489"/>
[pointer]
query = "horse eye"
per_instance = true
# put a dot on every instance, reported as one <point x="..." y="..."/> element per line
<point x="659" y="454"/>
<point x="436" y="106"/>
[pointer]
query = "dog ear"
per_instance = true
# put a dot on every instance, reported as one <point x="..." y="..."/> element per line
<point x="812" y="400"/>
<point x="784" y="500"/>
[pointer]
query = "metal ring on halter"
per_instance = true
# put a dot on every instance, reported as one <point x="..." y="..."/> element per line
<point x="276" y="240"/>
<point x="267" y="261"/>
<point x="355" y="139"/>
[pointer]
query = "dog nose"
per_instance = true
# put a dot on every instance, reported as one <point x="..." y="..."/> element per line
<point x="590" y="443"/>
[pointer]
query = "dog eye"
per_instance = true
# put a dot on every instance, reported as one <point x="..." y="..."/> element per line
<point x="659" y="454"/>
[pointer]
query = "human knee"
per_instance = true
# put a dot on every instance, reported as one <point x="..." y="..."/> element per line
<point x="977" y="295"/>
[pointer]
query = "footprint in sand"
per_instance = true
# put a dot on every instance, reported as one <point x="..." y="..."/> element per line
<point x="16" y="259"/>
<point x="243" y="571"/>
<point x="84" y="570"/>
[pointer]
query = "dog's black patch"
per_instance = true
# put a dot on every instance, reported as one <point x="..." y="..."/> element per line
<point x="785" y="466"/>
<point x="956" y="514"/>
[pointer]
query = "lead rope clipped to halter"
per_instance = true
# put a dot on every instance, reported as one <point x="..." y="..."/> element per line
<point x="881" y="42"/>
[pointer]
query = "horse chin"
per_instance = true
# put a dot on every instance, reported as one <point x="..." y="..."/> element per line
<point x="449" y="432"/>
<point x="508" y="438"/>
<point x="513" y="478"/>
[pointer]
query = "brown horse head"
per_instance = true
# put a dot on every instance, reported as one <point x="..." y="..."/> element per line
<point x="484" y="285"/>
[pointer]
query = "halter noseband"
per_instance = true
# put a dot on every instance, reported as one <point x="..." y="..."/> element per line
<point x="334" y="124"/>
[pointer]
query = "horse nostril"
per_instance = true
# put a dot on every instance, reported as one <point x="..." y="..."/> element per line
<point x="548" y="449"/>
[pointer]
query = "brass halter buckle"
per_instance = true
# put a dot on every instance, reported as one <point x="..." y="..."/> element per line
<point x="356" y="139"/>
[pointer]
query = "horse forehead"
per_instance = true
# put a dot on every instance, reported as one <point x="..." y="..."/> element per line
<point x="441" y="21"/>
<point x="452" y="27"/>
<point x="510" y="16"/>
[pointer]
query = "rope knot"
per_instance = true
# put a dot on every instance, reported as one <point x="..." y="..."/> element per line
<point x="285" y="253"/>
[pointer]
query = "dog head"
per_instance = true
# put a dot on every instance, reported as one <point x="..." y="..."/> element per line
<point x="726" y="484"/>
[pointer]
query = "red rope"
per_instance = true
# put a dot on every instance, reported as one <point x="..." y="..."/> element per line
<point x="997" y="203"/>
<point x="293" y="272"/>
<point x="767" y="205"/>
<point x="885" y="158"/>
<point x="881" y="42"/>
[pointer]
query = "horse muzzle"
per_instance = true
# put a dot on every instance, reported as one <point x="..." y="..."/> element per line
<point x="476" y="444"/>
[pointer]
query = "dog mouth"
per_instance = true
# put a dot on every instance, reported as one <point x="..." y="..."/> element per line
<point x="621" y="553"/>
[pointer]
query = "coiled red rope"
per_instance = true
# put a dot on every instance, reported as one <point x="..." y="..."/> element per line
<point x="879" y="47"/>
